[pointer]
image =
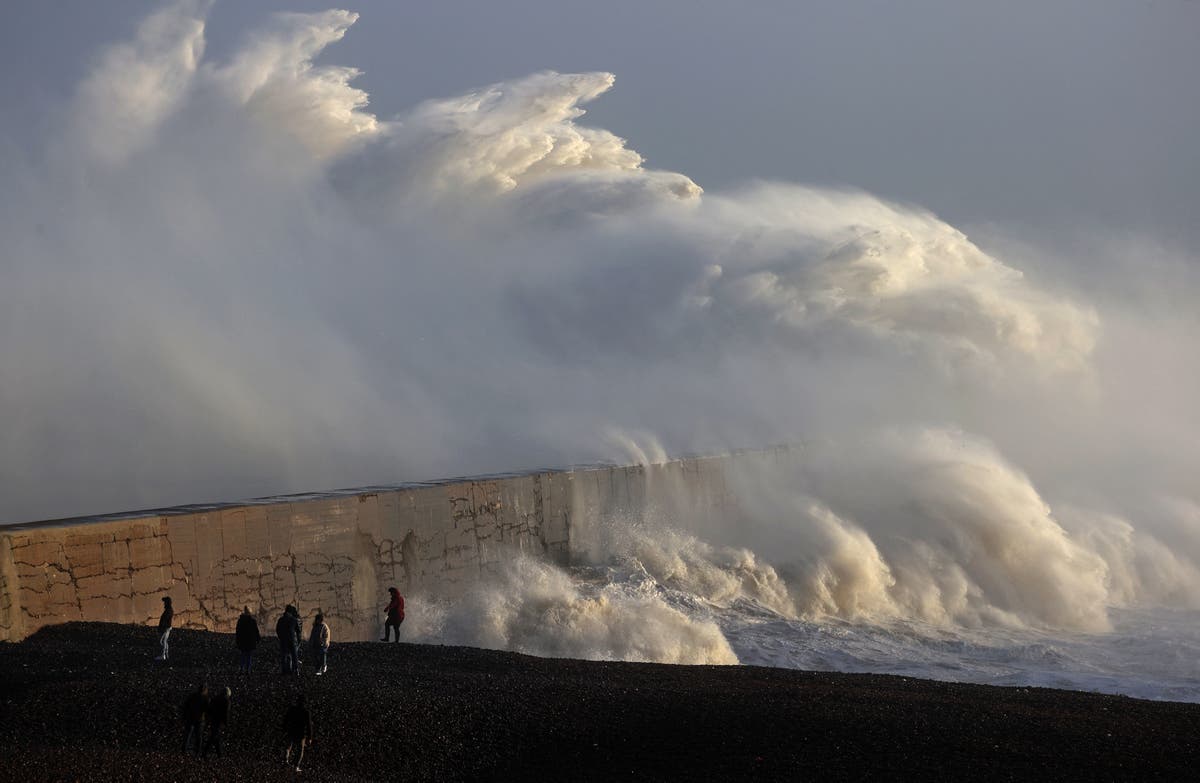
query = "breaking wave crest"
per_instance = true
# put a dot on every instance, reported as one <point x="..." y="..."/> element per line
<point x="538" y="609"/>
<point x="949" y="538"/>
<point x="222" y="225"/>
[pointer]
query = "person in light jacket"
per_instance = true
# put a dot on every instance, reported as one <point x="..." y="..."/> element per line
<point x="319" y="643"/>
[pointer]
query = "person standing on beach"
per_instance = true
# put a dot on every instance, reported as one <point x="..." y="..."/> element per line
<point x="319" y="643"/>
<point x="395" y="615"/>
<point x="299" y="638"/>
<point x="194" y="708"/>
<point x="164" y="627"/>
<point x="288" y="631"/>
<point x="297" y="724"/>
<point x="247" y="637"/>
<point x="217" y="715"/>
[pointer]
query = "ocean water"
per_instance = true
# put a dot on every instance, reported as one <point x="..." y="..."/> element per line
<point x="920" y="553"/>
<point x="1149" y="654"/>
<point x="622" y="610"/>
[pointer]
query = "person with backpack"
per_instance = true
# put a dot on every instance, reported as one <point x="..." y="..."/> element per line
<point x="395" y="615"/>
<point x="164" y="627"/>
<point x="298" y="726"/>
<point x="247" y="637"/>
<point x="319" y="643"/>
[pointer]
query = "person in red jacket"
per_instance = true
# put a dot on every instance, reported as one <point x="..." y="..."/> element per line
<point x="395" y="615"/>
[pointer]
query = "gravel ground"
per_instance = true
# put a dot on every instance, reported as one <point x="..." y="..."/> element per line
<point x="85" y="701"/>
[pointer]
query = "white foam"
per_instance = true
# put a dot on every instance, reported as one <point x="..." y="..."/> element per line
<point x="533" y="607"/>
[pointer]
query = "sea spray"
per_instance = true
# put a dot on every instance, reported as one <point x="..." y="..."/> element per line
<point x="484" y="281"/>
<point x="535" y="608"/>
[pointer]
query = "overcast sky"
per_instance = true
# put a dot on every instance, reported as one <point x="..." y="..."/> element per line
<point x="280" y="292"/>
<point x="1060" y="116"/>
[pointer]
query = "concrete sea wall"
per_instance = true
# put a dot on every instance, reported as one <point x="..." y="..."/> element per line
<point x="338" y="552"/>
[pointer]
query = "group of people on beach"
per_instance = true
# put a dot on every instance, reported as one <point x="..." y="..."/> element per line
<point x="201" y="710"/>
<point x="289" y="629"/>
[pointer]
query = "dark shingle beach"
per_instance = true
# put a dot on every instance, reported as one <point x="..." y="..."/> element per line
<point x="87" y="702"/>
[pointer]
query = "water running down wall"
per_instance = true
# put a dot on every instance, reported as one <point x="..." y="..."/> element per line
<point x="339" y="551"/>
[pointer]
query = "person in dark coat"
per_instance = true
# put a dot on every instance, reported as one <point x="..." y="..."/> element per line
<point x="395" y="615"/>
<point x="283" y="633"/>
<point x="247" y="637"/>
<point x="299" y="638"/>
<point x="297" y="725"/>
<point x="194" y="708"/>
<point x="288" y="631"/>
<point x="217" y="715"/>
<point x="164" y="627"/>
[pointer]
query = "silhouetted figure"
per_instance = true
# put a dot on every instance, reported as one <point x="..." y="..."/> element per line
<point x="194" y="708"/>
<point x="319" y="643"/>
<point x="288" y="631"/>
<point x="299" y="638"/>
<point x="395" y="615"/>
<point x="297" y="724"/>
<point x="247" y="637"/>
<point x="164" y="627"/>
<point x="217" y="715"/>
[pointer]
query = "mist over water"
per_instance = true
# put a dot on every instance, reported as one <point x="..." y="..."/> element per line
<point x="228" y="277"/>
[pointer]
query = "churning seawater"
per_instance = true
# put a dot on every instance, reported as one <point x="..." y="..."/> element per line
<point x="1149" y="654"/>
<point x="623" y="611"/>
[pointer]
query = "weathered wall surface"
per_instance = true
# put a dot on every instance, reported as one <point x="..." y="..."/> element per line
<point x="337" y="552"/>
